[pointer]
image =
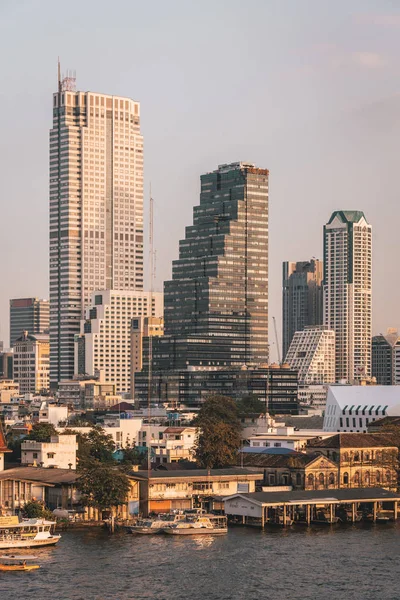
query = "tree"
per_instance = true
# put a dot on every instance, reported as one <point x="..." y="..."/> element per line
<point x="132" y="456"/>
<point x="95" y="445"/>
<point x="218" y="438"/>
<point x="103" y="486"/>
<point x="36" y="510"/>
<point x="251" y="405"/>
<point x="42" y="432"/>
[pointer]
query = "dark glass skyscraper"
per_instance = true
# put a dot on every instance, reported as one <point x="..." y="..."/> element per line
<point x="216" y="304"/>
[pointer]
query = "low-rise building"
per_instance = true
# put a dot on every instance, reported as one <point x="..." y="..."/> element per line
<point x="60" y="452"/>
<point x="164" y="491"/>
<point x="286" y="437"/>
<point x="168" y="444"/>
<point x="49" y="413"/>
<point x="8" y="389"/>
<point x="364" y="460"/>
<point x="88" y="393"/>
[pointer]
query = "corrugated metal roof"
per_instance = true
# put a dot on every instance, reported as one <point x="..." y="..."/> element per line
<point x="362" y="494"/>
<point x="196" y="473"/>
<point x="41" y="475"/>
<point x="354" y="440"/>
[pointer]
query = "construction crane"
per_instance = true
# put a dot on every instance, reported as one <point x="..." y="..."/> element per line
<point x="277" y="342"/>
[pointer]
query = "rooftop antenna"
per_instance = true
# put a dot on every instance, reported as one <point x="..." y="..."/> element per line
<point x="59" y="75"/>
<point x="149" y="332"/>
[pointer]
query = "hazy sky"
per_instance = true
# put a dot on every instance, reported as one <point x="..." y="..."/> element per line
<point x="307" y="88"/>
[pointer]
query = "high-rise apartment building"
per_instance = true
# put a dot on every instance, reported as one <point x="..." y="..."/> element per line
<point x="105" y="341"/>
<point x="28" y="314"/>
<point x="31" y="363"/>
<point x="348" y="291"/>
<point x="386" y="358"/>
<point x="96" y="209"/>
<point x="312" y="355"/>
<point x="301" y="298"/>
<point x="216" y="304"/>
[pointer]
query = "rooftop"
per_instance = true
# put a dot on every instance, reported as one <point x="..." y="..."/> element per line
<point x="354" y="440"/>
<point x="330" y="496"/>
<point x="197" y="473"/>
<point x="41" y="475"/>
<point x="348" y="216"/>
<point x="294" y="460"/>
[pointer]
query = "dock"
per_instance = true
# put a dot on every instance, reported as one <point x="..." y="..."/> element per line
<point x="324" y="507"/>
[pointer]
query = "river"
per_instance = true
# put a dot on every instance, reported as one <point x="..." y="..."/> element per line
<point x="360" y="562"/>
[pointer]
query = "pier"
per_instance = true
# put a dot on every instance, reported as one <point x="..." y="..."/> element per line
<point x="325" y="507"/>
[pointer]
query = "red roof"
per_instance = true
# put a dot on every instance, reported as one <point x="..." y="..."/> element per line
<point x="122" y="406"/>
<point x="3" y="445"/>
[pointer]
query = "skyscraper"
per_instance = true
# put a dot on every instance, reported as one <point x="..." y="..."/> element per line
<point x="348" y="291"/>
<point x="386" y="358"/>
<point x="301" y="298"/>
<point x="28" y="314"/>
<point x="216" y="304"/>
<point x="312" y="355"/>
<point x="96" y="209"/>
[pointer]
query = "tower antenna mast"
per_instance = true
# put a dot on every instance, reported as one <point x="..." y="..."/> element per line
<point x="149" y="321"/>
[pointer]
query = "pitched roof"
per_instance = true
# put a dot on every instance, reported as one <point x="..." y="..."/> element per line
<point x="348" y="216"/>
<point x="296" y="460"/>
<point x="41" y="475"/>
<point x="122" y="406"/>
<point x="354" y="440"/>
<point x="330" y="495"/>
<point x="197" y="473"/>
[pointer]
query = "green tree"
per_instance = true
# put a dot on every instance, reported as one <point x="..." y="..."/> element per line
<point x="103" y="486"/>
<point x="132" y="456"/>
<point x="36" y="510"/>
<point x="42" y="432"/>
<point x="251" y="405"/>
<point x="94" y="445"/>
<point x="218" y="439"/>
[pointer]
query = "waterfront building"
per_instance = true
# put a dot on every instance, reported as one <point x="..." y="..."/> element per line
<point x="96" y="209"/>
<point x="386" y="358"/>
<point x="32" y="363"/>
<point x="352" y="408"/>
<point x="104" y="343"/>
<point x="365" y="460"/>
<point x="60" y="452"/>
<point x="6" y="363"/>
<point x="28" y="314"/>
<point x="312" y="354"/>
<point x="301" y="298"/>
<point x="165" y="491"/>
<point x="276" y="386"/>
<point x="348" y="291"/>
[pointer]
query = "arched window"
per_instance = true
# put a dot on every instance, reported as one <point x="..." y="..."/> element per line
<point x="367" y="478"/>
<point x="298" y="478"/>
<point x="377" y="477"/>
<point x="367" y="456"/>
<point x="388" y="477"/>
<point x="356" y="457"/>
<point x="331" y="478"/>
<point x="345" y="479"/>
<point x="357" y="478"/>
<point x="310" y="480"/>
<point x="321" y="479"/>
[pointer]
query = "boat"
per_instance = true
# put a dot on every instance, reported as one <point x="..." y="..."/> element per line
<point x="17" y="563"/>
<point x="323" y="519"/>
<point x="199" y="525"/>
<point x="153" y="526"/>
<point x="28" y="533"/>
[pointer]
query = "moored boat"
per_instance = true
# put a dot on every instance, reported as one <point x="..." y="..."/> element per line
<point x="152" y="526"/>
<point x="199" y="525"/>
<point x="28" y="533"/>
<point x="17" y="563"/>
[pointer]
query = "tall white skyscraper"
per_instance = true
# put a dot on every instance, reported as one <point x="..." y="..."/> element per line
<point x="348" y="291"/>
<point x="96" y="209"/>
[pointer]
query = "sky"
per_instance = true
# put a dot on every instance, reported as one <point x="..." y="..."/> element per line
<point x="309" y="89"/>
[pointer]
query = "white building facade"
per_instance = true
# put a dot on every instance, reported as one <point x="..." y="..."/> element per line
<point x="105" y="340"/>
<point x="352" y="408"/>
<point x="312" y="354"/>
<point x="96" y="209"/>
<point x="60" y="452"/>
<point x="348" y="291"/>
<point x="31" y="363"/>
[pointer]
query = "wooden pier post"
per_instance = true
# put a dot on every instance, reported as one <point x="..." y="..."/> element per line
<point x="262" y="517"/>
<point x="395" y="506"/>
<point x="284" y="515"/>
<point x="308" y="514"/>
<point x="331" y="512"/>
<point x="353" y="512"/>
<point x="374" y="513"/>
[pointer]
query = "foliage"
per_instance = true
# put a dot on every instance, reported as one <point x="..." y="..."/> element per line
<point x="132" y="456"/>
<point x="251" y="405"/>
<point x="36" y="510"/>
<point x="95" y="445"/>
<point x="218" y="438"/>
<point x="42" y="432"/>
<point x="82" y="420"/>
<point x="103" y="485"/>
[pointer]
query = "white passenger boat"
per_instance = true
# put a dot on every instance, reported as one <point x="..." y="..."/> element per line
<point x="199" y="525"/>
<point x="157" y="525"/>
<point x="28" y="533"/>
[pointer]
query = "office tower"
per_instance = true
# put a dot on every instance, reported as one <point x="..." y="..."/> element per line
<point x="312" y="355"/>
<point x="28" y="314"/>
<point x="142" y="328"/>
<point x="348" y="291"/>
<point x="31" y="363"/>
<point x="386" y="358"/>
<point x="216" y="304"/>
<point x="96" y="209"/>
<point x="105" y="340"/>
<point x="6" y="363"/>
<point x="301" y="298"/>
